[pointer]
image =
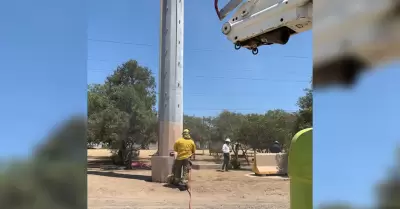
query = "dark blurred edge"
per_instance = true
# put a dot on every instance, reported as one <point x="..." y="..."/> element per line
<point x="343" y="71"/>
<point x="54" y="177"/>
<point x="347" y="68"/>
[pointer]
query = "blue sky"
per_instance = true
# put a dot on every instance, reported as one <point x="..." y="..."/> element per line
<point x="216" y="76"/>
<point x="43" y="52"/>
<point x="355" y="133"/>
<point x="47" y="60"/>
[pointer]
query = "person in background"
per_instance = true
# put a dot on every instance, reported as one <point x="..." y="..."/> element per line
<point x="185" y="148"/>
<point x="226" y="152"/>
<point x="275" y="147"/>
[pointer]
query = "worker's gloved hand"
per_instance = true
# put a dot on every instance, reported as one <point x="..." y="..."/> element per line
<point x="172" y="154"/>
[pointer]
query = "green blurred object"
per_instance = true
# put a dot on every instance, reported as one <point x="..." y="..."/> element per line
<point x="300" y="170"/>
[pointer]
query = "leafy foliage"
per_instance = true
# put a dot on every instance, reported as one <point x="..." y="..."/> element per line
<point x="121" y="115"/>
<point x="121" y="112"/>
<point x="305" y="114"/>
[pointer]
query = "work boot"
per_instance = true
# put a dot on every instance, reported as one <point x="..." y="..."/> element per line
<point x="176" y="182"/>
<point x="170" y="179"/>
<point x="182" y="186"/>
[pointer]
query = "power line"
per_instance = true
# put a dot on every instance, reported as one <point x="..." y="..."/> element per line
<point x="237" y="109"/>
<point x="227" y="69"/>
<point x="218" y="77"/>
<point x="190" y="49"/>
<point x="226" y="94"/>
<point x="227" y="78"/>
<point x="120" y="42"/>
<point x="252" y="79"/>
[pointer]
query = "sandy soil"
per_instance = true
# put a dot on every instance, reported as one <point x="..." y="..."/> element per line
<point x="210" y="189"/>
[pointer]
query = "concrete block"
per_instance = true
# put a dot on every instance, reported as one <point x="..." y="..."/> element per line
<point x="161" y="167"/>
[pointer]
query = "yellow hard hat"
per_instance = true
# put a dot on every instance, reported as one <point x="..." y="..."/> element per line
<point x="186" y="131"/>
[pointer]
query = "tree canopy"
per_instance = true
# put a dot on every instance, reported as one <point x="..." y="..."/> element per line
<point x="121" y="115"/>
<point x="121" y="112"/>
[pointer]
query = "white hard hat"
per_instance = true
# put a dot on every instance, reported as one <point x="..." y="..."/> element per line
<point x="228" y="140"/>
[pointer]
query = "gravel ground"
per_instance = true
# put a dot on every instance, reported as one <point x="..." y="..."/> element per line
<point x="210" y="190"/>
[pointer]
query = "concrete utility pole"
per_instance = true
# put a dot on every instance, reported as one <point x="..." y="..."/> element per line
<point x="170" y="108"/>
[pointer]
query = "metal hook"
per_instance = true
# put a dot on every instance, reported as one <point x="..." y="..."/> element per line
<point x="237" y="46"/>
<point x="254" y="51"/>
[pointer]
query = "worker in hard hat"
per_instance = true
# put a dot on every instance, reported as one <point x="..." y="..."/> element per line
<point x="226" y="152"/>
<point x="185" y="148"/>
<point x="275" y="147"/>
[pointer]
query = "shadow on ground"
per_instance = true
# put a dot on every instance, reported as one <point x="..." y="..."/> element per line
<point x="105" y="163"/>
<point x="98" y="162"/>
<point x="180" y="188"/>
<point x="270" y="175"/>
<point x="121" y="175"/>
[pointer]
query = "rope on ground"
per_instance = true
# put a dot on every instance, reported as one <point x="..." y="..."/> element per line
<point x="189" y="189"/>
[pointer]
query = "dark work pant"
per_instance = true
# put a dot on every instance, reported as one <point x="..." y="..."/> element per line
<point x="226" y="162"/>
<point x="179" y="166"/>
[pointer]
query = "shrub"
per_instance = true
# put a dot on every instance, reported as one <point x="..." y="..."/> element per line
<point x="235" y="163"/>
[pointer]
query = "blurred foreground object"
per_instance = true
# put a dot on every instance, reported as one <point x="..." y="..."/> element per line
<point x="350" y="37"/>
<point x="54" y="177"/>
<point x="300" y="170"/>
<point x="389" y="189"/>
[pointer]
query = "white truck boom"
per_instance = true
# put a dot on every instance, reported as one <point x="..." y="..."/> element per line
<point x="265" y="22"/>
<point x="349" y="37"/>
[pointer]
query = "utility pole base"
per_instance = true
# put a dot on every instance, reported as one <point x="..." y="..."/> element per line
<point x="161" y="167"/>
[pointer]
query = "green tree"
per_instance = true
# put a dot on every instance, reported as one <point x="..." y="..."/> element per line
<point x="227" y="124"/>
<point x="253" y="132"/>
<point x="259" y="131"/>
<point x="122" y="111"/>
<point x="198" y="129"/>
<point x="305" y="113"/>
<point x="280" y="126"/>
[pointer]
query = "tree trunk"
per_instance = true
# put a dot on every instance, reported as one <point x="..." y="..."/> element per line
<point x="125" y="155"/>
<point x="118" y="159"/>
<point x="245" y="155"/>
<point x="128" y="160"/>
<point x="237" y="152"/>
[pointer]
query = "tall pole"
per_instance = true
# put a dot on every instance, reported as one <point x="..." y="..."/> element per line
<point x="170" y="108"/>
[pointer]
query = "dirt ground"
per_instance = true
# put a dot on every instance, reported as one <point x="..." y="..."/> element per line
<point x="120" y="189"/>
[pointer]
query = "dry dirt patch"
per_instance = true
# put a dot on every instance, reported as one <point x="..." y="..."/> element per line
<point x="210" y="189"/>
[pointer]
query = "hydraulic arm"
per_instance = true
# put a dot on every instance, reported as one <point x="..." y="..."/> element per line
<point x="265" y="22"/>
<point x="349" y="37"/>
